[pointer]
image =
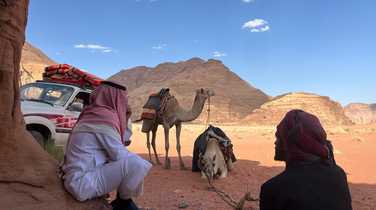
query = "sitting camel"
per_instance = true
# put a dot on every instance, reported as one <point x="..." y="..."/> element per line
<point x="173" y="114"/>
<point x="212" y="162"/>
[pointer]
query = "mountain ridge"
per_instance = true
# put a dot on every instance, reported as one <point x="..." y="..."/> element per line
<point x="184" y="77"/>
<point x="236" y="100"/>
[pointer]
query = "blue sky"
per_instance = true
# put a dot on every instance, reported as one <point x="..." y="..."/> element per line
<point x="320" y="46"/>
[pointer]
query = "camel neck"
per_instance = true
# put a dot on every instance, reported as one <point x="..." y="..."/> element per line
<point x="190" y="115"/>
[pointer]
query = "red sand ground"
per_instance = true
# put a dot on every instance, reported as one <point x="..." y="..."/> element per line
<point x="165" y="189"/>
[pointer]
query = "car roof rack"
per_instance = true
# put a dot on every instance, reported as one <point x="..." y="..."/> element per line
<point x="66" y="83"/>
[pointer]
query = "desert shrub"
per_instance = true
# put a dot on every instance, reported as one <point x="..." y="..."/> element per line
<point x="56" y="151"/>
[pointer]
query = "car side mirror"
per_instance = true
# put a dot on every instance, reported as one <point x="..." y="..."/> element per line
<point x="76" y="107"/>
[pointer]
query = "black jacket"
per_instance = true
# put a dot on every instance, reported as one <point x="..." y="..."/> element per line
<point x="313" y="186"/>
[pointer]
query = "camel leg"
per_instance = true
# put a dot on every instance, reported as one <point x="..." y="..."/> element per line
<point x="148" y="146"/>
<point x="154" y="134"/>
<point x="230" y="165"/>
<point x="178" y="146"/>
<point x="167" y="146"/>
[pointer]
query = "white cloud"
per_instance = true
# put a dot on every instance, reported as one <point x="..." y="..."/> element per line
<point x="107" y="50"/>
<point x="151" y="1"/>
<point x="257" y="25"/>
<point x="159" y="47"/>
<point x="219" y="54"/>
<point x="248" y="1"/>
<point x="94" y="47"/>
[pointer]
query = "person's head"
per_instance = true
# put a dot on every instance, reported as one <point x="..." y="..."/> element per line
<point x="300" y="137"/>
<point x="108" y="105"/>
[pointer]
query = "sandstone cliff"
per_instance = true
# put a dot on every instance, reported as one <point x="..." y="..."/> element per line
<point x="28" y="178"/>
<point x="329" y="112"/>
<point x="361" y="113"/>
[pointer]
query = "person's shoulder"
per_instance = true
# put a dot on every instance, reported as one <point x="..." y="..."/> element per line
<point x="339" y="170"/>
<point x="274" y="181"/>
<point x="333" y="168"/>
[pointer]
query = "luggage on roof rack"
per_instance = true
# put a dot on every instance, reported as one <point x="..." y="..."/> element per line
<point x="67" y="74"/>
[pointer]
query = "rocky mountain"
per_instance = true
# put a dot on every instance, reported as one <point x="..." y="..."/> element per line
<point x="32" y="64"/>
<point x="361" y="113"/>
<point x="234" y="98"/>
<point x="236" y="101"/>
<point x="329" y="112"/>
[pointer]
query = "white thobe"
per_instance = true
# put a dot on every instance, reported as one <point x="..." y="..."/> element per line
<point x="96" y="163"/>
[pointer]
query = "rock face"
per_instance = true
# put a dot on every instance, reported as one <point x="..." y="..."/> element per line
<point x="271" y="113"/>
<point x="234" y="98"/>
<point x="33" y="62"/>
<point x="28" y="178"/>
<point x="361" y="113"/>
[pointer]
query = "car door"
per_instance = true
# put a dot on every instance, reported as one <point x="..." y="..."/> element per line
<point x="73" y="110"/>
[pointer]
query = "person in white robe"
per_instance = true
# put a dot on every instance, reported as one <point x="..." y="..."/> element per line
<point x="96" y="160"/>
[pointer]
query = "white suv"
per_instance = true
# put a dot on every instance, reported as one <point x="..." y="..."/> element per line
<point x="51" y="109"/>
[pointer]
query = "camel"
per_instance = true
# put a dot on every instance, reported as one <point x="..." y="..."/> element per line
<point x="174" y="115"/>
<point x="213" y="163"/>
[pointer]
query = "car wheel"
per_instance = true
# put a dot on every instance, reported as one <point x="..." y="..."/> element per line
<point x="38" y="136"/>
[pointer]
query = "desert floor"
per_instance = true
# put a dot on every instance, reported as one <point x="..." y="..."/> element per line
<point x="254" y="147"/>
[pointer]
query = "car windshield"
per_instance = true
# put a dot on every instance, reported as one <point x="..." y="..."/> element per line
<point x="53" y="94"/>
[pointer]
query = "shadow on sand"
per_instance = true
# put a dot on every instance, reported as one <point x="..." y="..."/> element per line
<point x="165" y="189"/>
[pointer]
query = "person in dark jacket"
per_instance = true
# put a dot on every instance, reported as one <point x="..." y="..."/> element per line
<point x="311" y="180"/>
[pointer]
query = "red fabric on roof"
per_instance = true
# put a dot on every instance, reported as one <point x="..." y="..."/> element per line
<point x="67" y="74"/>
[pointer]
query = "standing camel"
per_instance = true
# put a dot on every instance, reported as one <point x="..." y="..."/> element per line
<point x="174" y="114"/>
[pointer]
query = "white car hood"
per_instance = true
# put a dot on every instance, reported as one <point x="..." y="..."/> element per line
<point x="31" y="107"/>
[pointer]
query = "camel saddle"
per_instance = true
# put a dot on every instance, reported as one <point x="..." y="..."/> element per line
<point x="155" y="104"/>
<point x="202" y="140"/>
